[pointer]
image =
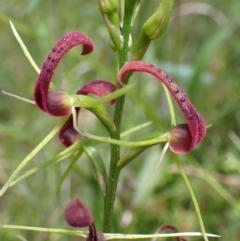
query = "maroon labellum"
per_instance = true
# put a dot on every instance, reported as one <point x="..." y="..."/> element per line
<point x="66" y="43"/>
<point x="196" y="123"/>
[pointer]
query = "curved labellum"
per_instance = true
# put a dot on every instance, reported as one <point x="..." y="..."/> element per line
<point x="67" y="134"/>
<point x="67" y="42"/>
<point x="195" y="122"/>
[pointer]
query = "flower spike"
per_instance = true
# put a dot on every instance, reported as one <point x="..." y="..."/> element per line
<point x="67" y="42"/>
<point x="67" y="134"/>
<point x="196" y="124"/>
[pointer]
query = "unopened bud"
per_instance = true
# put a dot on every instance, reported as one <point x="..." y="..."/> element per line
<point x="78" y="215"/>
<point x="157" y="23"/>
<point x="59" y="103"/>
<point x="108" y="6"/>
<point x="180" y="139"/>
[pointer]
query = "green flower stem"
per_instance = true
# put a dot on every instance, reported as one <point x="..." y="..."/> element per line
<point x="129" y="7"/>
<point x="179" y="164"/>
<point x="135" y="128"/>
<point x="130" y="155"/>
<point x="150" y="142"/>
<point x="29" y="157"/>
<point x="140" y="47"/>
<point x="115" y="149"/>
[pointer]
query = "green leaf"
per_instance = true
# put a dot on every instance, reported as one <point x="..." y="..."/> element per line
<point x="59" y="157"/>
<point x="98" y="164"/>
<point x="29" y="157"/>
<point x="74" y="158"/>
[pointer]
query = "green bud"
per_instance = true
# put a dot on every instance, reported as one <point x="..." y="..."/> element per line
<point x="135" y="11"/>
<point x="114" y="33"/>
<point x="157" y="23"/>
<point x="108" y="6"/>
<point x="59" y="103"/>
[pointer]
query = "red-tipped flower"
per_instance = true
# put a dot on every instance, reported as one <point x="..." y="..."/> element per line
<point x="56" y="54"/>
<point x="196" y="124"/>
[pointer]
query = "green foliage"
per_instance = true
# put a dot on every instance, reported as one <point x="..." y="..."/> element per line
<point x="200" y="49"/>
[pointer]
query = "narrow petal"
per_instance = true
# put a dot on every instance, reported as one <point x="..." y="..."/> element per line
<point x="66" y="43"/>
<point x="195" y="121"/>
<point x="67" y="134"/>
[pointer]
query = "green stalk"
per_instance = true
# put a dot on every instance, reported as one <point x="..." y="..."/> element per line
<point x="179" y="164"/>
<point x="115" y="149"/>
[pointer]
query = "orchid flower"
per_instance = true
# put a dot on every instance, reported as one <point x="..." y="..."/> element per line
<point x="184" y="137"/>
<point x="67" y="134"/>
<point x="60" y="103"/>
<point x="41" y="93"/>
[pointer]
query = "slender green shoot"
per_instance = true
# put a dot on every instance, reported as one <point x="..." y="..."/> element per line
<point x="195" y="203"/>
<point x="134" y="129"/>
<point x="19" y="97"/>
<point x="29" y="158"/>
<point x="108" y="236"/>
<point x="24" y="48"/>
<point x="161" y="138"/>
<point x="60" y="157"/>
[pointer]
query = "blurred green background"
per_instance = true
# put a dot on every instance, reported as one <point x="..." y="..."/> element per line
<point x="200" y="50"/>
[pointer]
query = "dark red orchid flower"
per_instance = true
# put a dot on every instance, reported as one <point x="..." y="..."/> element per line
<point x="67" y="134"/>
<point x="182" y="138"/>
<point x="41" y="93"/>
<point x="60" y="103"/>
